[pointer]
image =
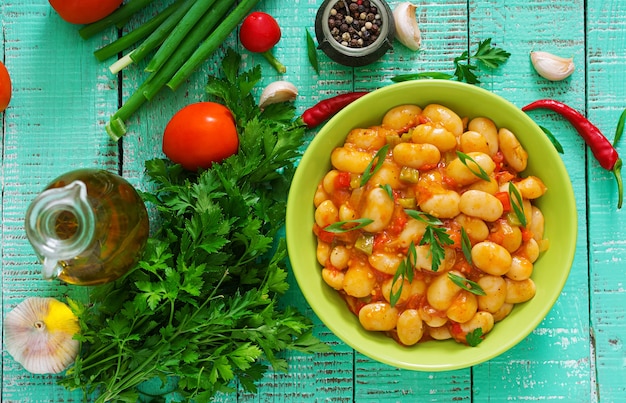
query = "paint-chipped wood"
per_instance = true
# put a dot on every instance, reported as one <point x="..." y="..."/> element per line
<point x="63" y="97"/>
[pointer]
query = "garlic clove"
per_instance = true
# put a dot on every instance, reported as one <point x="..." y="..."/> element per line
<point x="552" y="67"/>
<point x="407" y="29"/>
<point x="38" y="333"/>
<point x="278" y="91"/>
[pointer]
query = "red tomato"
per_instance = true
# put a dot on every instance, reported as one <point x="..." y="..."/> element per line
<point x="259" y="32"/>
<point x="5" y="87"/>
<point x="84" y="11"/>
<point x="200" y="134"/>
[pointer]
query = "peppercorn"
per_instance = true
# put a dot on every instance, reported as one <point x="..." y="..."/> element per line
<point x="358" y="23"/>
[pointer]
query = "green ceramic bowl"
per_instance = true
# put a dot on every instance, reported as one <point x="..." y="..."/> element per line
<point x="550" y="272"/>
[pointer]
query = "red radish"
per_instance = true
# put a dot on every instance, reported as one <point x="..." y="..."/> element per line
<point x="259" y="33"/>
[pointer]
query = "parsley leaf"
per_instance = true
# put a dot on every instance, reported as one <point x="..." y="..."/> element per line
<point x="466" y="65"/>
<point x="435" y="236"/>
<point x="475" y="337"/>
<point x="203" y="301"/>
<point x="486" y="54"/>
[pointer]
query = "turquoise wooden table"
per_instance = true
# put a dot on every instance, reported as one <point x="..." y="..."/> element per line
<point x="62" y="98"/>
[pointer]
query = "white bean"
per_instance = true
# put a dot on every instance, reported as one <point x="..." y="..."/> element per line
<point x="402" y="117"/>
<point x="432" y="317"/>
<point x="412" y="232"/>
<point x="475" y="228"/>
<point x="442" y="205"/>
<point x="440" y="333"/>
<point x="441" y="292"/>
<point x="359" y="281"/>
<point x="323" y="252"/>
<point x="320" y="195"/>
<point x="479" y="204"/>
<point x="350" y="159"/>
<point x="416" y="156"/>
<point x="334" y="278"/>
<point x="436" y="135"/>
<point x="514" y="154"/>
<point x="463" y="308"/>
<point x="536" y="224"/>
<point x="483" y="320"/>
<point x="503" y="312"/>
<point x="531" y="187"/>
<point x="472" y="141"/>
<point x="488" y="129"/>
<point x="371" y="138"/>
<point x="424" y="259"/>
<point x="378" y="207"/>
<point x="339" y="257"/>
<point x="491" y="258"/>
<point x="347" y="213"/>
<point x="405" y="293"/>
<point x="519" y="291"/>
<point x="326" y="213"/>
<point x="445" y="116"/>
<point x="410" y="327"/>
<point x="495" y="290"/>
<point x="385" y="262"/>
<point x="329" y="181"/>
<point x="511" y="235"/>
<point x="378" y="316"/>
<point x="464" y="172"/>
<point x="529" y="250"/>
<point x="521" y="269"/>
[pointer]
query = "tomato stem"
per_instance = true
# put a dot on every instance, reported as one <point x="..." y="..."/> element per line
<point x="276" y="64"/>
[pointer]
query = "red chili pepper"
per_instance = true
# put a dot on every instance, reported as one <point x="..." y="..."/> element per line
<point x="325" y="109"/>
<point x="600" y="146"/>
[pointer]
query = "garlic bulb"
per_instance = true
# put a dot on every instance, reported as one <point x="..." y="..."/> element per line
<point x="278" y="91"/>
<point x="407" y="30"/>
<point x="552" y="67"/>
<point x="38" y="334"/>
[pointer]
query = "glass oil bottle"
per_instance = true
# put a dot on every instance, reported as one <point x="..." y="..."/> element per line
<point x="88" y="227"/>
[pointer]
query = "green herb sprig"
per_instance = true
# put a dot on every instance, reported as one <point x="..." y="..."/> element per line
<point x="203" y="301"/>
<point x="375" y="164"/>
<point x="475" y="337"/>
<point x="435" y="236"/>
<point x="466" y="284"/>
<point x="312" y="52"/>
<point x="478" y="170"/>
<point x="466" y="246"/>
<point x="349" y="225"/>
<point x="466" y="65"/>
<point x="517" y="204"/>
<point x="403" y="272"/>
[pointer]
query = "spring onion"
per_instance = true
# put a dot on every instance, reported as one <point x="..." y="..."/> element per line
<point x="136" y="35"/>
<point x="167" y="48"/>
<point x="212" y="43"/>
<point x="121" y="14"/>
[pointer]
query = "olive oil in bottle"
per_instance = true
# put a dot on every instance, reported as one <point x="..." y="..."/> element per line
<point x="88" y="227"/>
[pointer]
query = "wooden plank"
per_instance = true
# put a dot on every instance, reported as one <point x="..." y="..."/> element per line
<point x="554" y="361"/>
<point x="54" y="124"/>
<point x="606" y="33"/>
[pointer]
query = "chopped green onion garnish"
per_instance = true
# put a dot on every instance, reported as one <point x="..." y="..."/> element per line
<point x="379" y="159"/>
<point x="466" y="284"/>
<point x="480" y="172"/>
<point x="339" y="226"/>
<point x="466" y="246"/>
<point x="517" y="204"/>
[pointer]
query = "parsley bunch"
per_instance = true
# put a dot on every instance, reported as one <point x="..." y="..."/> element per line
<point x="202" y="304"/>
